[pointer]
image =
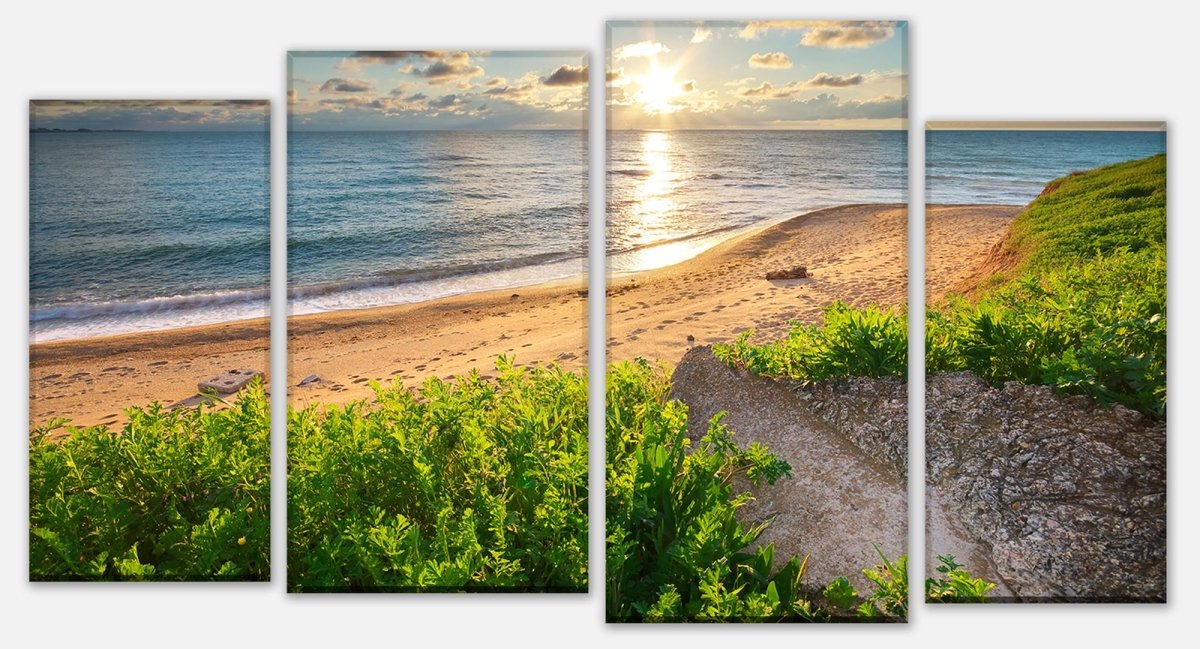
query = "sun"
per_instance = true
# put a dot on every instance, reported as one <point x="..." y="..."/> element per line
<point x="657" y="88"/>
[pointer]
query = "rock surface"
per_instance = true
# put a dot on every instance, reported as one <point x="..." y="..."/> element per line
<point x="1069" y="496"/>
<point x="840" y="502"/>
<point x="795" y="272"/>
<point x="1052" y="498"/>
<point x="229" y="381"/>
<point x="871" y="413"/>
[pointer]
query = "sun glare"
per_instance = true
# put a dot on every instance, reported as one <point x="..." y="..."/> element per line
<point x="657" y="88"/>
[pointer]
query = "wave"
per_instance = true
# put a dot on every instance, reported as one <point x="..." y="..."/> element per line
<point x="413" y="276"/>
<point x="636" y="173"/>
<point x="148" y="306"/>
<point x="88" y="320"/>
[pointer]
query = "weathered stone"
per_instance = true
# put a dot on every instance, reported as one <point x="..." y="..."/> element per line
<point x="1069" y="495"/>
<point x="311" y="379"/>
<point x="795" y="272"/>
<point x="840" y="503"/>
<point x="229" y="382"/>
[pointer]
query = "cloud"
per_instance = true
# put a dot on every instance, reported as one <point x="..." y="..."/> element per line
<point x="378" y="56"/>
<point x="701" y="34"/>
<point x="851" y="35"/>
<point x="765" y="89"/>
<point x="171" y="114"/>
<point x="347" y="85"/>
<point x="616" y="78"/>
<point x="827" y="33"/>
<point x="515" y="93"/>
<point x="455" y="66"/>
<point x="640" y="50"/>
<point x="567" y="75"/>
<point x="688" y="86"/>
<point x="447" y="101"/>
<point x="739" y="82"/>
<point x="823" y="80"/>
<point x="828" y="106"/>
<point x="755" y="27"/>
<point x="773" y="60"/>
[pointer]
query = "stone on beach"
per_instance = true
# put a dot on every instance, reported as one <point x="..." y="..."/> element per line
<point x="229" y="382"/>
<point x="795" y="272"/>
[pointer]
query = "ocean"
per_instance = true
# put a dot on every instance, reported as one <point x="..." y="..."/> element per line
<point x="396" y="217"/>
<point x="674" y="194"/>
<point x="140" y="231"/>
<point x="1012" y="167"/>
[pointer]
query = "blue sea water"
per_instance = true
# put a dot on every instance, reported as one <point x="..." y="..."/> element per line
<point x="673" y="194"/>
<point x="1012" y="167"/>
<point x="146" y="230"/>
<point x="395" y="217"/>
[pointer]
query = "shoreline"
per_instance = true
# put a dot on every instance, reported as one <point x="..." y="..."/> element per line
<point x="856" y="253"/>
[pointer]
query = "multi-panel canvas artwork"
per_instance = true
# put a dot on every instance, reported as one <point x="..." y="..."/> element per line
<point x="755" y="350"/>
<point x="757" y="335"/>
<point x="437" y="230"/>
<point x="149" y="257"/>
<point x="1046" y="342"/>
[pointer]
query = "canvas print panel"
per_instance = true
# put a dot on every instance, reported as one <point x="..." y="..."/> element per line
<point x="149" y="249"/>
<point x="437" y="227"/>
<point x="757" y="423"/>
<point x="1046" y="362"/>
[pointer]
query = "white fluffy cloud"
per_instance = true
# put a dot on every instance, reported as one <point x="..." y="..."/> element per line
<point x="640" y="50"/>
<point x="772" y="60"/>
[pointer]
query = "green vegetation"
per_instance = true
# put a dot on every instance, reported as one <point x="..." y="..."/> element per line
<point x="956" y="585"/>
<point x="675" y="549"/>
<point x="473" y="484"/>
<point x="1082" y="310"/>
<point x="848" y="342"/>
<point x="177" y="495"/>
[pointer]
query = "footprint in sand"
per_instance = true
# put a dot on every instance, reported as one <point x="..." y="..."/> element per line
<point x="361" y="379"/>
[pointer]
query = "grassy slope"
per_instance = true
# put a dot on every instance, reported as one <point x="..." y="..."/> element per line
<point x="1081" y="305"/>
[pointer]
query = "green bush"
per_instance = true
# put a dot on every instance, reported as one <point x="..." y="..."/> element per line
<point x="473" y="484"/>
<point x="848" y="342"/>
<point x="1098" y="328"/>
<point x="177" y="495"/>
<point x="675" y="548"/>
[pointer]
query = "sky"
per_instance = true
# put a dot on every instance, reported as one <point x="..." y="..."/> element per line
<point x="152" y="114"/>
<point x="757" y="75"/>
<point x="437" y="90"/>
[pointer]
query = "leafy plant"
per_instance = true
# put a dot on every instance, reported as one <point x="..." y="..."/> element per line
<point x="177" y="495"/>
<point x="848" y="342"/>
<point x="957" y="585"/>
<point x="470" y="484"/>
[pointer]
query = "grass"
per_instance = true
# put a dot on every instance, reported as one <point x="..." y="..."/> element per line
<point x="470" y="484"/>
<point x="1083" y="310"/>
<point x="177" y="495"/>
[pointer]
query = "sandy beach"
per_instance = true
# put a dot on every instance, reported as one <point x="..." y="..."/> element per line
<point x="854" y="253"/>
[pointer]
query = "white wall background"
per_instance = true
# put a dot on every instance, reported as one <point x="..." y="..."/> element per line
<point x="1010" y="60"/>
